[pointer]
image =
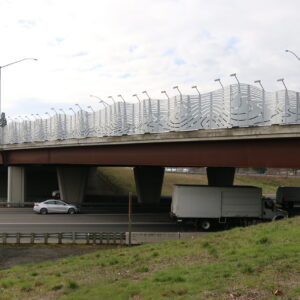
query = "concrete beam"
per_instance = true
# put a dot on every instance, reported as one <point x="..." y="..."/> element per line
<point x="16" y="185"/>
<point x="220" y="176"/>
<point x="72" y="183"/>
<point x="148" y="182"/>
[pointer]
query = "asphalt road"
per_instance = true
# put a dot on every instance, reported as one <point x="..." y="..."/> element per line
<point x="25" y="220"/>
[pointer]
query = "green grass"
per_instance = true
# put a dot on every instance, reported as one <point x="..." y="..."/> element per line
<point x="243" y="263"/>
<point x="122" y="181"/>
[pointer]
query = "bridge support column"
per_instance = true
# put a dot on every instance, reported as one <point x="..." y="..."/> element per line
<point x="72" y="182"/>
<point x="220" y="176"/>
<point x="16" y="185"/>
<point x="149" y="182"/>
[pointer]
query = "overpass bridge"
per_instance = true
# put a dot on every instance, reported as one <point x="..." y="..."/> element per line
<point x="238" y="126"/>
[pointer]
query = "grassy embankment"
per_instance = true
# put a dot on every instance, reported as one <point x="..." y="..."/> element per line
<point x="243" y="263"/>
<point x="123" y="178"/>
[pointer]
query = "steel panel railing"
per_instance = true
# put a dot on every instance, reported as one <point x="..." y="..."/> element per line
<point x="238" y="105"/>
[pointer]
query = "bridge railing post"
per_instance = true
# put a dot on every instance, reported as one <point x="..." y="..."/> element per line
<point x="297" y="106"/>
<point x="210" y="110"/>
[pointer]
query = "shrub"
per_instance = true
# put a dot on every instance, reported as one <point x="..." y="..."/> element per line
<point x="141" y="269"/>
<point x="263" y="240"/>
<point x="155" y="254"/>
<point x="73" y="285"/>
<point x="57" y="287"/>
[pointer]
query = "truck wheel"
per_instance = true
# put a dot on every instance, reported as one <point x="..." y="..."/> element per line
<point x="205" y="225"/>
<point x="278" y="218"/>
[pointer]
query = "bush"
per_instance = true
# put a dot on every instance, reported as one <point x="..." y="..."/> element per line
<point x="141" y="269"/>
<point x="73" y="285"/>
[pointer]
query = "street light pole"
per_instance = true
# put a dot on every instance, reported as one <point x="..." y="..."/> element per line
<point x="234" y="75"/>
<point x="219" y="80"/>
<point x="259" y="82"/>
<point x="282" y="80"/>
<point x="101" y="101"/>
<point x="293" y="54"/>
<point x="177" y="88"/>
<point x="122" y="98"/>
<point x="7" y="65"/>
<point x="196" y="88"/>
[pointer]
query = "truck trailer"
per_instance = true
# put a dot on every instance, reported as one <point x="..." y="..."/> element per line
<point x="288" y="196"/>
<point x="205" y="206"/>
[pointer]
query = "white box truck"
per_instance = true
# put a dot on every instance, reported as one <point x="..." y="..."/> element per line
<point x="205" y="206"/>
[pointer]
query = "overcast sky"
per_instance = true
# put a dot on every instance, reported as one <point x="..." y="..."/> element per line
<point x="124" y="47"/>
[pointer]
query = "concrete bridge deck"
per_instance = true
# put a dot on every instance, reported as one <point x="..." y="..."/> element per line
<point x="222" y="134"/>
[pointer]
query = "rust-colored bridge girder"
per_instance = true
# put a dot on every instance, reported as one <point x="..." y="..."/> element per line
<point x="275" y="153"/>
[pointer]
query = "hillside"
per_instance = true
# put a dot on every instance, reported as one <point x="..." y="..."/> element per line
<point x="121" y="181"/>
<point x="244" y="263"/>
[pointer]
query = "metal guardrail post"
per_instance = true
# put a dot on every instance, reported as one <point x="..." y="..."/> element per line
<point x="59" y="238"/>
<point x="18" y="238"/>
<point x="4" y="238"/>
<point x="32" y="235"/>
<point x="46" y="235"/>
<point x="73" y="237"/>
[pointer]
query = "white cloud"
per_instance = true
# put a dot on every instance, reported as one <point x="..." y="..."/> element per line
<point x="126" y="46"/>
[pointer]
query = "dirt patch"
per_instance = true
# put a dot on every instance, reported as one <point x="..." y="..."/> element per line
<point x="17" y="255"/>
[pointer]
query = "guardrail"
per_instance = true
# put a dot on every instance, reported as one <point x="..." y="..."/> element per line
<point x="94" y="238"/>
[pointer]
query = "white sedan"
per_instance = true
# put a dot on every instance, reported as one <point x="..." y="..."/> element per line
<point x="55" y="206"/>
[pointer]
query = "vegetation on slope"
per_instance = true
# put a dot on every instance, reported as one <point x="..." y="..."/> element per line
<point x="123" y="179"/>
<point x="244" y="263"/>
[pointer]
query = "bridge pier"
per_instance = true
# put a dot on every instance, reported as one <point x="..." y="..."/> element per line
<point x="16" y="185"/>
<point x="72" y="182"/>
<point x="148" y="180"/>
<point x="220" y="176"/>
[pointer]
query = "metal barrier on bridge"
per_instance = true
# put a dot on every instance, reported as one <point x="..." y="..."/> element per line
<point x="238" y="105"/>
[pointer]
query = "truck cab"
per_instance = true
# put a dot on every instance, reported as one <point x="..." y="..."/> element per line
<point x="271" y="212"/>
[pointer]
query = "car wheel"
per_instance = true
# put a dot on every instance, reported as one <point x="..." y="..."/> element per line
<point x="71" y="211"/>
<point x="205" y="225"/>
<point x="43" y="211"/>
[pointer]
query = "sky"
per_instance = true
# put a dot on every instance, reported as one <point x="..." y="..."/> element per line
<point x="107" y="48"/>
